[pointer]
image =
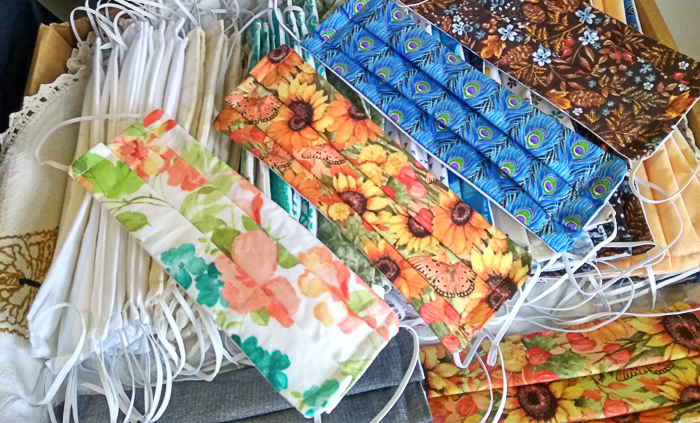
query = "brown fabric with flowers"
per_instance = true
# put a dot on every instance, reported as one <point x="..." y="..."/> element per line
<point x="620" y="84"/>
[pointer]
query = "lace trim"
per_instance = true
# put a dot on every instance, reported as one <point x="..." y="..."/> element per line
<point x="78" y="65"/>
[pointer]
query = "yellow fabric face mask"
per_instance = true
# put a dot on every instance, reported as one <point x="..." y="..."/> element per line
<point x="670" y="168"/>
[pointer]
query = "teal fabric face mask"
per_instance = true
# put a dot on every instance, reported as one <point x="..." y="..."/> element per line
<point x="550" y="179"/>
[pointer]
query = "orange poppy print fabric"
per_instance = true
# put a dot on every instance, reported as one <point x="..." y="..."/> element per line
<point x="632" y="365"/>
<point x="399" y="201"/>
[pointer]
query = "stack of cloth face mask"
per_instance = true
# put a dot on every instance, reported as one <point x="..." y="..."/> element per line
<point x="644" y="369"/>
<point x="550" y="179"/>
<point x="454" y="267"/>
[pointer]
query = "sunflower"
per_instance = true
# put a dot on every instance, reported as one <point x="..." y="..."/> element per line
<point x="680" y="334"/>
<point x="607" y="334"/>
<point x="307" y="102"/>
<point x="500" y="272"/>
<point x="350" y="124"/>
<point x="396" y="268"/>
<point x="543" y="402"/>
<point x="278" y="65"/>
<point x="457" y="225"/>
<point x="683" y="385"/>
<point x="411" y="233"/>
<point x="291" y="132"/>
<point x="395" y="162"/>
<point x="362" y="196"/>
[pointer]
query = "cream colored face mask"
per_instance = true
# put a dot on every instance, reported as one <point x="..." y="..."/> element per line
<point x="670" y="168"/>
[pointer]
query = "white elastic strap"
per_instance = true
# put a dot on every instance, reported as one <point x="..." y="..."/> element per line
<point x="635" y="190"/>
<point x="60" y="166"/>
<point x="473" y="350"/>
<point x="504" y="393"/>
<point x="61" y="376"/>
<point x="404" y="381"/>
<point x="491" y="360"/>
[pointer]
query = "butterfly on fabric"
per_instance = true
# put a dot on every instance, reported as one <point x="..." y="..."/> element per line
<point x="448" y="280"/>
<point x="278" y="158"/>
<point x="323" y="152"/>
<point x="657" y="369"/>
<point x="253" y="108"/>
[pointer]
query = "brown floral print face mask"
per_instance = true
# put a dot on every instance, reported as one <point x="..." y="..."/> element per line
<point x="623" y="86"/>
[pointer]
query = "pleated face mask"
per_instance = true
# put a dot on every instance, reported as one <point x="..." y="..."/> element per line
<point x="453" y="266"/>
<point x="547" y="177"/>
<point x="622" y="85"/>
<point x="308" y="324"/>
<point x="635" y="369"/>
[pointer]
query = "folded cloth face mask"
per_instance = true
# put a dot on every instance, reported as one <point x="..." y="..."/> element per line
<point x="670" y="168"/>
<point x="380" y="198"/>
<point x="292" y="312"/>
<point x="546" y="176"/>
<point x="623" y="86"/>
<point x="648" y="365"/>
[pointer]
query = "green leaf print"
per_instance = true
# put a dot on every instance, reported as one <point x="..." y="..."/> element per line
<point x="223" y="238"/>
<point x="113" y="180"/>
<point x="285" y="259"/>
<point x="567" y="365"/>
<point x="136" y="130"/>
<point x="361" y="301"/>
<point x="223" y="183"/>
<point x="543" y="342"/>
<point x="85" y="162"/>
<point x="249" y="223"/>
<point x="132" y="221"/>
<point x="194" y="156"/>
<point x="260" y="317"/>
<point x="202" y="197"/>
<point x="206" y="221"/>
<point x="355" y="368"/>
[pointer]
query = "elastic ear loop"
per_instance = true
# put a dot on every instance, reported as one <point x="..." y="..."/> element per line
<point x="529" y="285"/>
<point x="67" y="367"/>
<point x="635" y="190"/>
<point x="406" y="377"/>
<point x="101" y="24"/>
<point x="60" y="166"/>
<point x="662" y="284"/>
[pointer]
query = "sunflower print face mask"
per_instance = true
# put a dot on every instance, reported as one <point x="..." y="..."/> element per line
<point x="622" y="85"/>
<point x="444" y="257"/>
<point x="636" y="369"/>
<point x="547" y="177"/>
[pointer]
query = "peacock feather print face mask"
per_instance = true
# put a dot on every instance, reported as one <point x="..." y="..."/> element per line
<point x="550" y="179"/>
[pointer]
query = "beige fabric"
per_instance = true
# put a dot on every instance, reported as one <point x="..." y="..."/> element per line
<point x="614" y="8"/>
<point x="669" y="168"/>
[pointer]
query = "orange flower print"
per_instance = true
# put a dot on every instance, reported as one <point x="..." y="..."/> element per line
<point x="181" y="174"/>
<point x="333" y="275"/>
<point x="396" y="268"/>
<point x="350" y="124"/>
<point x="138" y="155"/>
<point x="458" y="226"/>
<point x="307" y="185"/>
<point x="256" y="255"/>
<point x="225" y="119"/>
<point x="152" y="117"/>
<point x="291" y="131"/>
<point x="241" y="293"/>
<point x="279" y="64"/>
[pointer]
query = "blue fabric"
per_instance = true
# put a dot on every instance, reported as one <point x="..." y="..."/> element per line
<point x="552" y="180"/>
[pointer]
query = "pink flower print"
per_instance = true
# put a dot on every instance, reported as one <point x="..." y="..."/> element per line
<point x="334" y="275"/>
<point x="242" y="293"/>
<point x="181" y="174"/>
<point x="256" y="255"/>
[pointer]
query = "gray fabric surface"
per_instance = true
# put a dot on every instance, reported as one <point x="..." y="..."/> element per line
<point x="245" y="396"/>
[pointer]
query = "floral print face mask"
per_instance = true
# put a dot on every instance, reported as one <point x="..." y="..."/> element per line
<point x="453" y="266"/>
<point x="635" y="369"/>
<point x="308" y="324"/>
<point x="545" y="175"/>
<point x="623" y="86"/>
